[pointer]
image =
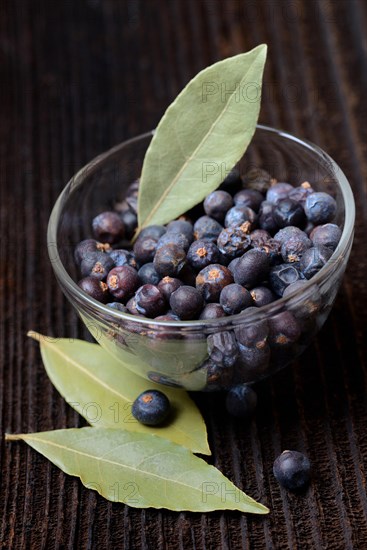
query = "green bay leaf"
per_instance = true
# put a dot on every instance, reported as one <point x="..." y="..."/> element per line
<point x="202" y="135"/>
<point x="102" y="390"/>
<point x="140" y="469"/>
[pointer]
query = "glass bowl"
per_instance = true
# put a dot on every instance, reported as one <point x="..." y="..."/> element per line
<point x="176" y="352"/>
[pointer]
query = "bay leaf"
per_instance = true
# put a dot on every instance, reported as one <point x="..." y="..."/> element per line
<point x="140" y="469"/>
<point x="201" y="136"/>
<point x="102" y="390"/>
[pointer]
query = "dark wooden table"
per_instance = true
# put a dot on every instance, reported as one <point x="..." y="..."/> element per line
<point x="80" y="76"/>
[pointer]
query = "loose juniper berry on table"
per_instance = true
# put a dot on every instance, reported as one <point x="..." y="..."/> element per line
<point x="292" y="470"/>
<point x="152" y="407"/>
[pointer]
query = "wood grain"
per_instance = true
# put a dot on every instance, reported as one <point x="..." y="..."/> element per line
<point x="80" y="76"/>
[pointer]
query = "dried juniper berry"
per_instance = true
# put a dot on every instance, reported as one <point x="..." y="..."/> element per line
<point x="217" y="204"/>
<point x="217" y="376"/>
<point x="108" y="227"/>
<point x="238" y="215"/>
<point x="207" y="228"/>
<point x="186" y="302"/>
<point x="300" y="193"/>
<point x="148" y="274"/>
<point x="118" y="306"/>
<point x="130" y="221"/>
<point x="212" y="311"/>
<point x="259" y="237"/>
<point x="262" y="295"/>
<point x="131" y="307"/>
<point x="211" y="280"/>
<point x="178" y="239"/>
<point x="320" y="208"/>
<point x="328" y="235"/>
<point x="144" y="249"/>
<point x="241" y="401"/>
<point x="96" y="265"/>
<point x="168" y="285"/>
<point x="253" y="362"/>
<point x="87" y="248"/>
<point x="284" y="329"/>
<point x="266" y="217"/>
<point x="153" y="231"/>
<point x="313" y="259"/>
<point x="272" y="248"/>
<point x="252" y="333"/>
<point x="292" y="470"/>
<point x="182" y="226"/>
<point x="278" y="192"/>
<point x="281" y="276"/>
<point x="309" y="305"/>
<point x="235" y="298"/>
<point x="250" y="198"/>
<point x="258" y="179"/>
<point x="232" y="264"/>
<point x="289" y="212"/>
<point x="169" y="259"/>
<point x="123" y="257"/>
<point x="94" y="288"/>
<point x="152" y="407"/>
<point x="287" y="233"/>
<point x="222" y="348"/>
<point x="252" y="268"/>
<point x="149" y="301"/>
<point x="292" y="249"/>
<point x="234" y="241"/>
<point x="122" y="282"/>
<point x="202" y="253"/>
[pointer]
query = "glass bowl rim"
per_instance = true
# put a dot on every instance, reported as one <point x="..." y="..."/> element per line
<point x="116" y="316"/>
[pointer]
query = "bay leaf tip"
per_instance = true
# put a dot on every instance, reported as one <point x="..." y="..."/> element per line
<point x="13" y="437"/>
<point x="35" y="335"/>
